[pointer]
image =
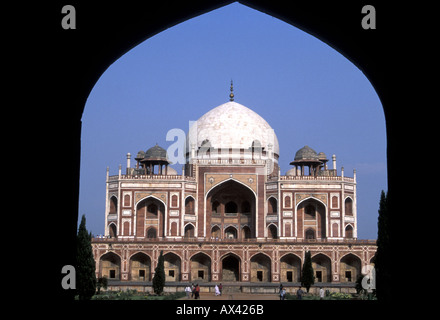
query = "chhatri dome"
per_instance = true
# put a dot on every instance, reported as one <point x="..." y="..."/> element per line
<point x="233" y="126"/>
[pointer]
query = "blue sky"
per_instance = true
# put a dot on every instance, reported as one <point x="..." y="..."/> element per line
<point x="308" y="92"/>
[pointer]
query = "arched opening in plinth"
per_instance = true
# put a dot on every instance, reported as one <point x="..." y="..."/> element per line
<point x="140" y="267"/>
<point x="200" y="268"/>
<point x="322" y="267"/>
<point x="260" y="268"/>
<point x="290" y="268"/>
<point x="230" y="268"/>
<point x="110" y="266"/>
<point x="350" y="268"/>
<point x="172" y="264"/>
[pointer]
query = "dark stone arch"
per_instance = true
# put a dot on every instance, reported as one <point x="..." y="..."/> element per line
<point x="151" y="209"/>
<point x="189" y="231"/>
<point x="290" y="265"/>
<point x="235" y="202"/>
<point x="322" y="267"/>
<point x="314" y="210"/>
<point x="350" y="268"/>
<point x="140" y="267"/>
<point x="110" y="266"/>
<point x="231" y="264"/>
<point x="172" y="266"/>
<point x="261" y="267"/>
<point x="336" y="24"/>
<point x="200" y="267"/>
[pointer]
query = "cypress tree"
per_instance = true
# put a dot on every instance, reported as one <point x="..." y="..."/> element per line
<point x="159" y="275"/>
<point x="383" y="254"/>
<point x="307" y="277"/>
<point x="85" y="268"/>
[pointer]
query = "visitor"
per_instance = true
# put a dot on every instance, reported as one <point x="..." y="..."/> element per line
<point x="217" y="290"/>
<point x="220" y="287"/>
<point x="188" y="291"/>
<point x="321" y="294"/>
<point x="197" y="292"/>
<point x="299" y="293"/>
<point x="282" y="293"/>
<point x="193" y="290"/>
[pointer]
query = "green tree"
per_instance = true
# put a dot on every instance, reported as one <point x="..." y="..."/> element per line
<point x="85" y="268"/>
<point x="383" y="254"/>
<point x="159" y="275"/>
<point x="307" y="274"/>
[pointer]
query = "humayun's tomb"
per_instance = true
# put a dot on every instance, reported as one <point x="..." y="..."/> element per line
<point x="231" y="216"/>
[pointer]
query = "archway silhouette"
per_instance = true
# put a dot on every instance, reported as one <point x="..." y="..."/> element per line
<point x="126" y="27"/>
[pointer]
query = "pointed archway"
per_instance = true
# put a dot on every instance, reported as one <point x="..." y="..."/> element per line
<point x="290" y="268"/>
<point x="329" y="22"/>
<point x="140" y="267"/>
<point x="110" y="266"/>
<point x="172" y="264"/>
<point x="200" y="267"/>
<point x="313" y="213"/>
<point x="322" y="267"/>
<point x="150" y="218"/>
<point x="350" y="268"/>
<point x="231" y="268"/>
<point x="261" y="268"/>
<point x="231" y="204"/>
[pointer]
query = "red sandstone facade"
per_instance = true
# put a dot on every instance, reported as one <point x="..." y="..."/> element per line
<point x="231" y="218"/>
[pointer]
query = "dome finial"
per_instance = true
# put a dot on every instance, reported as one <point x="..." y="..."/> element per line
<point x="231" y="95"/>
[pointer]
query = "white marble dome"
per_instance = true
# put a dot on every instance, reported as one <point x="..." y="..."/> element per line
<point x="232" y="125"/>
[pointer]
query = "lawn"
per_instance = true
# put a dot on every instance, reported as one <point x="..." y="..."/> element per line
<point x="134" y="295"/>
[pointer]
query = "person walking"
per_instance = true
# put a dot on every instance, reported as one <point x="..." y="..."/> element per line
<point x="188" y="291"/>
<point x="321" y="294"/>
<point x="299" y="293"/>
<point x="197" y="292"/>
<point x="217" y="290"/>
<point x="193" y="290"/>
<point x="282" y="293"/>
<point x="220" y="288"/>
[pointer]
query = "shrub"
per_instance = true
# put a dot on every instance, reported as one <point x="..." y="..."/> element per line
<point x="340" y="296"/>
